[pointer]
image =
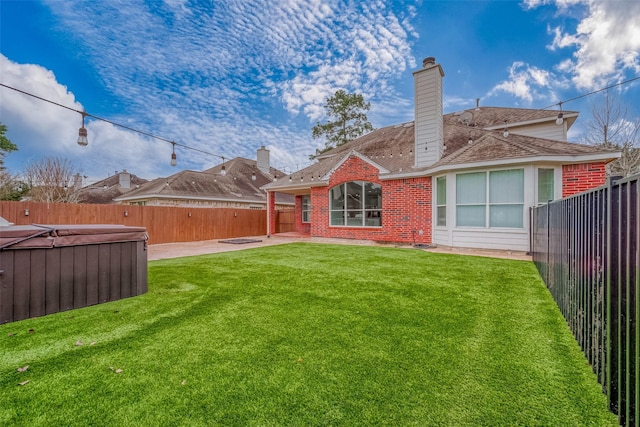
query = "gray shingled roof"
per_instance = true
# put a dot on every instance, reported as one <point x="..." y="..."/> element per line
<point x="392" y="147"/>
<point x="236" y="184"/>
<point x="106" y="190"/>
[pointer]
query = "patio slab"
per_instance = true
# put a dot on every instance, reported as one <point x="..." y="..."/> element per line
<point x="181" y="249"/>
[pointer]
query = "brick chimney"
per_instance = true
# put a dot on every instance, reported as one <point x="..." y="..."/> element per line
<point x="429" y="133"/>
<point x="262" y="160"/>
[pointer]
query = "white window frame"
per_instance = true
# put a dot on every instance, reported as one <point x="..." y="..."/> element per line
<point x="306" y="209"/>
<point x="371" y="217"/>
<point x="441" y="204"/>
<point x="553" y="184"/>
<point x="487" y="204"/>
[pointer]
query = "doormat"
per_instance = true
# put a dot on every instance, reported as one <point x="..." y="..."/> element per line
<point x="240" y="241"/>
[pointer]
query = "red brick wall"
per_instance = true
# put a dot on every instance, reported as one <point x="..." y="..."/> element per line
<point x="406" y="207"/>
<point x="582" y="177"/>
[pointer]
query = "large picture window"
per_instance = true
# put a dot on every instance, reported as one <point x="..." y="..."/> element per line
<point x="495" y="198"/>
<point x="356" y="204"/>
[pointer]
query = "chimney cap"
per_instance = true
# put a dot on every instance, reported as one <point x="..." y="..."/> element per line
<point x="430" y="60"/>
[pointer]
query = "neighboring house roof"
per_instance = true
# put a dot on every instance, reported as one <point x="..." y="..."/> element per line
<point x="392" y="147"/>
<point x="106" y="190"/>
<point x="236" y="185"/>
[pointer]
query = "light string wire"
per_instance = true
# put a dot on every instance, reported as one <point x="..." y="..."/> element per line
<point x="174" y="144"/>
<point x="559" y="103"/>
<point x="84" y="113"/>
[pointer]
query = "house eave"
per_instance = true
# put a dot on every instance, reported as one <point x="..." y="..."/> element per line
<point x="296" y="188"/>
<point x="564" y="159"/>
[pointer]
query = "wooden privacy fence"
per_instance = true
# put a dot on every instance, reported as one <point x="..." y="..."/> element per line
<point x="164" y="224"/>
<point x="586" y="250"/>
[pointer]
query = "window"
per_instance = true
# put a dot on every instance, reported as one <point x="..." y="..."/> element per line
<point x="497" y="196"/>
<point x="441" y="201"/>
<point x="545" y="185"/>
<point x="506" y="198"/>
<point x="356" y="204"/>
<point x="306" y="208"/>
<point x="471" y="199"/>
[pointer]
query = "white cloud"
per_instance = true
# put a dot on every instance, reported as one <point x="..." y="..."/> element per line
<point x="45" y="129"/>
<point x="218" y="76"/>
<point x="604" y="48"/>
<point x="527" y="82"/>
<point x="606" y="42"/>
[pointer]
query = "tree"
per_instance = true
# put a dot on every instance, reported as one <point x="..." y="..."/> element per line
<point x="52" y="180"/>
<point x="6" y="146"/>
<point x="347" y="120"/>
<point x="612" y="126"/>
<point x="11" y="188"/>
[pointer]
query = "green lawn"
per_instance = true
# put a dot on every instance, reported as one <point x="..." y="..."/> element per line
<point x="308" y="334"/>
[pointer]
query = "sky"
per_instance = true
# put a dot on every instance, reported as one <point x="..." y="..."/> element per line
<point x="225" y="77"/>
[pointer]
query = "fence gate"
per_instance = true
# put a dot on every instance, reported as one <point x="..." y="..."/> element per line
<point x="586" y="250"/>
<point x="285" y="220"/>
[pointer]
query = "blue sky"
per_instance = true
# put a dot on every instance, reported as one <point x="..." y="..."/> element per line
<point x="226" y="77"/>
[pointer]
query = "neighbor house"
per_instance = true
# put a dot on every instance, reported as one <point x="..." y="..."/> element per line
<point x="234" y="183"/>
<point x="465" y="179"/>
<point x="108" y="189"/>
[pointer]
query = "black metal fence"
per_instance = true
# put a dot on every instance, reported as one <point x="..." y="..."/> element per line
<point x="586" y="250"/>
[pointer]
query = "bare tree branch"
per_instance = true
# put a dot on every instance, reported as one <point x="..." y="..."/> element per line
<point x="52" y="180"/>
<point x="613" y="126"/>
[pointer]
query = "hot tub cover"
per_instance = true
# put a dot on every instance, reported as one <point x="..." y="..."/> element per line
<point x="51" y="236"/>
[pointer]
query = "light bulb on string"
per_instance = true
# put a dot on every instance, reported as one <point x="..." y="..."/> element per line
<point x="560" y="118"/>
<point x="505" y="133"/>
<point x="82" y="133"/>
<point x="174" y="160"/>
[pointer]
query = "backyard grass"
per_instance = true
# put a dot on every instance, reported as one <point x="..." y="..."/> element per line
<point x="307" y="334"/>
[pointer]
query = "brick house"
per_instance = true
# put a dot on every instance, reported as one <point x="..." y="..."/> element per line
<point x="464" y="179"/>
<point x="234" y="183"/>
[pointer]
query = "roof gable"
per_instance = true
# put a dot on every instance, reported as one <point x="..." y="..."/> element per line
<point x="242" y="181"/>
<point x="353" y="153"/>
<point x="391" y="148"/>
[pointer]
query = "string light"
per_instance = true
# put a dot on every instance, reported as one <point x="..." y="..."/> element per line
<point x="506" y="129"/>
<point x="174" y="160"/>
<point x="82" y="132"/>
<point x="560" y="118"/>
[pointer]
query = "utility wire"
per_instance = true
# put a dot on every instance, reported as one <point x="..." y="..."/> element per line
<point x="84" y="113"/>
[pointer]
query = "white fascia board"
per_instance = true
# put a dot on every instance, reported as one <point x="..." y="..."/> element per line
<point x="166" y="197"/>
<point x="358" y="155"/>
<point x="567" y="159"/>
<point x="531" y="122"/>
<point x="296" y="186"/>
